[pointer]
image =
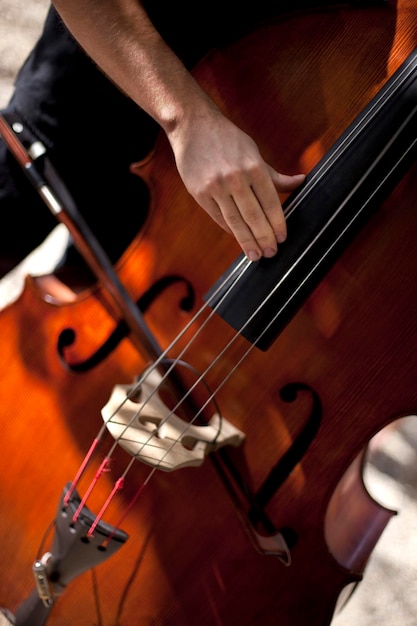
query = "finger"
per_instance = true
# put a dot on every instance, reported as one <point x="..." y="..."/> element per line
<point x="229" y="217"/>
<point x="285" y="183"/>
<point x="259" y="230"/>
<point x="268" y="198"/>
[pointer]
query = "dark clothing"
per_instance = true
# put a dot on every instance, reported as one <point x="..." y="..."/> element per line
<point x="92" y="131"/>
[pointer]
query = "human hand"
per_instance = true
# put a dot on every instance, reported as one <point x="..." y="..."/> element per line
<point x="223" y="170"/>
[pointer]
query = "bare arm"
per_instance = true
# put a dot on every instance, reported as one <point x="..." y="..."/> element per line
<point x="219" y="164"/>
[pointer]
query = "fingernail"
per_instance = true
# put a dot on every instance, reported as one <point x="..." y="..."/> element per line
<point x="268" y="252"/>
<point x="281" y="238"/>
<point x="253" y="255"/>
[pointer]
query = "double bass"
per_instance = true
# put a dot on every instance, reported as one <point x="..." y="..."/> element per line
<point x="208" y="468"/>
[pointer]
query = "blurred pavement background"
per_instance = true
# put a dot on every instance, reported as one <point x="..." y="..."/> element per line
<point x="388" y="594"/>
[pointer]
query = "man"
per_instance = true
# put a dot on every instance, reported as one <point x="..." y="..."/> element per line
<point x="94" y="128"/>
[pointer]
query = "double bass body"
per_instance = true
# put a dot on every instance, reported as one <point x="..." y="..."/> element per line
<point x="347" y="356"/>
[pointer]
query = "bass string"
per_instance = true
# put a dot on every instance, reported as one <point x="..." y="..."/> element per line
<point x="134" y="390"/>
<point x="292" y="207"/>
<point x="358" y="127"/>
<point x="244" y="264"/>
<point x="327" y="164"/>
<point x="237" y="275"/>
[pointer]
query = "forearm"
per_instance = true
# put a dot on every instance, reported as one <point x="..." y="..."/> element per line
<point x="220" y="165"/>
<point x="120" y="38"/>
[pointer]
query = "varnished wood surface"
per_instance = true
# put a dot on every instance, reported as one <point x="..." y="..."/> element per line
<point x="354" y="260"/>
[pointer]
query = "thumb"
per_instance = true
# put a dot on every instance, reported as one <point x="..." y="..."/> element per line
<point x="285" y="183"/>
